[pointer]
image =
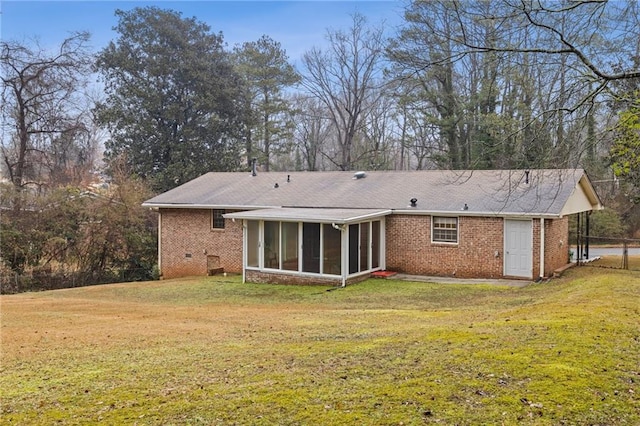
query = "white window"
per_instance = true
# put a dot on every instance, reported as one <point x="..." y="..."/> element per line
<point x="444" y="230"/>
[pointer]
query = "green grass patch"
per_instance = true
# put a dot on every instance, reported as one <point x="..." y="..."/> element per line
<point x="216" y="351"/>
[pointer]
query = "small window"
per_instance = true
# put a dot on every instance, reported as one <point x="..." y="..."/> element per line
<point x="217" y="221"/>
<point x="444" y="230"/>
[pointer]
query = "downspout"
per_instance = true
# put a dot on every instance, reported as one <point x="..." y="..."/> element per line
<point x="245" y="244"/>
<point x="541" y="247"/>
<point x="159" y="242"/>
<point x="383" y="243"/>
<point x="344" y="245"/>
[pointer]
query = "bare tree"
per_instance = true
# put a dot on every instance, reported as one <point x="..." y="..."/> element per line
<point x="517" y="83"/>
<point x="598" y="40"/>
<point x="311" y="132"/>
<point x="346" y="78"/>
<point x="421" y="138"/>
<point x="43" y="109"/>
<point x="425" y="62"/>
<point x="378" y="147"/>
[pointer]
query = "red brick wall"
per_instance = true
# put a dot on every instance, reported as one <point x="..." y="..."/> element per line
<point x="556" y="234"/>
<point x="408" y="246"/>
<point x="279" y="278"/>
<point x="556" y="252"/>
<point x="410" y="250"/>
<point x="188" y="232"/>
<point x="535" y="240"/>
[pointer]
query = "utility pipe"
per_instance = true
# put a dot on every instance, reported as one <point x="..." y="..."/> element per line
<point x="160" y="242"/>
<point x="541" y="247"/>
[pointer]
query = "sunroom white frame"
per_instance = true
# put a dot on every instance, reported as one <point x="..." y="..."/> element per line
<point x="339" y="219"/>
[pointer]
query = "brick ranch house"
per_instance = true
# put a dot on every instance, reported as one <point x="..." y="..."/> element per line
<point x="339" y="227"/>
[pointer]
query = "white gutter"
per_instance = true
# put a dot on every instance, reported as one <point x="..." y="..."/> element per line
<point x="386" y="211"/>
<point x="542" y="247"/>
<point x="205" y="206"/>
<point x="476" y="214"/>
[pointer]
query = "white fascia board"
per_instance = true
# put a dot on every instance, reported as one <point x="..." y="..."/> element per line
<point x="476" y="214"/>
<point x="583" y="198"/>
<point x="205" y="206"/>
<point x="590" y="192"/>
<point x="295" y="216"/>
<point x="368" y="216"/>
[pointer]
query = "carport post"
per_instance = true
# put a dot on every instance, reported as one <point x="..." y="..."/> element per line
<point x="586" y="238"/>
<point x="625" y="255"/>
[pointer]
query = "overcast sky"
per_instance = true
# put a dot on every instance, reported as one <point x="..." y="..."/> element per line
<point x="297" y="25"/>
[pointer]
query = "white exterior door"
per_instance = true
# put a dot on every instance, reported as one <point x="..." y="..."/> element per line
<point x="518" y="248"/>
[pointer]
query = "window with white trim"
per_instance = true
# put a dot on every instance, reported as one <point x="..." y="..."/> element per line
<point x="444" y="229"/>
<point x="217" y="220"/>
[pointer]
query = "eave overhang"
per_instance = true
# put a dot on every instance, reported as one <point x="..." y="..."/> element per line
<point x="157" y="206"/>
<point x="335" y="215"/>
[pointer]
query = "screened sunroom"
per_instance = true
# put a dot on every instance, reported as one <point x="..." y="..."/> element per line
<point x="330" y="245"/>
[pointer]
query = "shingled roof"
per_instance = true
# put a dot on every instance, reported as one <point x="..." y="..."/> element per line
<point x="473" y="192"/>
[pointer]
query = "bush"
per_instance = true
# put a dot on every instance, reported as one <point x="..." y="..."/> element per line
<point x="73" y="236"/>
<point x="607" y="224"/>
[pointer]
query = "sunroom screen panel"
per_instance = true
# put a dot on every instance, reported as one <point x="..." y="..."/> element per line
<point x="331" y="250"/>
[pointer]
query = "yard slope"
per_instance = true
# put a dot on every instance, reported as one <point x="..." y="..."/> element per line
<point x="215" y="351"/>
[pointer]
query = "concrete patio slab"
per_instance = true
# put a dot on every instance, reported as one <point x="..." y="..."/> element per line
<point x="451" y="280"/>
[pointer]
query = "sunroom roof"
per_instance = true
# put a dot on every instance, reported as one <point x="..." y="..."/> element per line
<point x="318" y="215"/>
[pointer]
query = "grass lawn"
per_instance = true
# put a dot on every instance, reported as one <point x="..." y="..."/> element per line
<point x="215" y="351"/>
<point x="617" y="262"/>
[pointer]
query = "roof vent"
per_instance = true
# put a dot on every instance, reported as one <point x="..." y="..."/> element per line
<point x="254" y="171"/>
<point x="359" y="175"/>
<point x="414" y="202"/>
<point x="526" y="177"/>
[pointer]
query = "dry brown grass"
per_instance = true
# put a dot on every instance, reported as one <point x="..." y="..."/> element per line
<point x="215" y="351"/>
<point x="616" y="262"/>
